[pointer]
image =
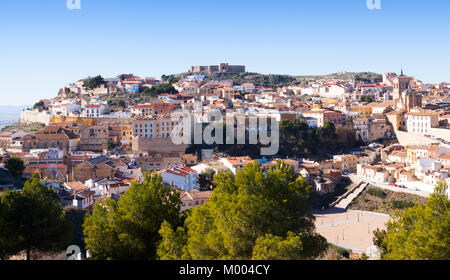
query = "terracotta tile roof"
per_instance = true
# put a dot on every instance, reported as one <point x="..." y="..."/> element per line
<point x="79" y="186"/>
<point x="195" y="194"/>
<point x="52" y="166"/>
<point x="183" y="171"/>
<point x="237" y="161"/>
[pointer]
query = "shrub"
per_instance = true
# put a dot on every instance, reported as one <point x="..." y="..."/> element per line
<point x="401" y="204"/>
<point x="377" y="192"/>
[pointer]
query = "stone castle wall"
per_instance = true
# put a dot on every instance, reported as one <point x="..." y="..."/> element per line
<point x="34" y="116"/>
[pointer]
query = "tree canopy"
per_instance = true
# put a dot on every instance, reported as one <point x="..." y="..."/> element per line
<point x="159" y="89"/>
<point x="15" y="165"/>
<point x="94" y="82"/>
<point x="255" y="215"/>
<point x="366" y="98"/>
<point x="206" y="179"/>
<point x="419" y="232"/>
<point x="39" y="106"/>
<point x="32" y="221"/>
<point x="298" y="139"/>
<point x="128" y="229"/>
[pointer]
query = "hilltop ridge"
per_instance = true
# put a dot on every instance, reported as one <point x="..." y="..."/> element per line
<point x="286" y="80"/>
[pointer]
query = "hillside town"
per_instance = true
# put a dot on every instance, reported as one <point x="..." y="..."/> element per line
<point x="88" y="148"/>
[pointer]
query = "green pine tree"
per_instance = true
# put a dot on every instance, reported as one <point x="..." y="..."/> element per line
<point x="420" y="232"/>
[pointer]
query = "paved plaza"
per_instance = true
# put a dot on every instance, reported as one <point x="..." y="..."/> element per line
<point x="349" y="229"/>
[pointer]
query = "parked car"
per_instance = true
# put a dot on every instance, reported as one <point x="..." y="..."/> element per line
<point x="393" y="185"/>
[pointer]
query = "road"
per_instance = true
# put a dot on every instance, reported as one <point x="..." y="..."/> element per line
<point x="355" y="178"/>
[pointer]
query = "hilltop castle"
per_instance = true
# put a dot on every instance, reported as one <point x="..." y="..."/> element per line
<point x="221" y="68"/>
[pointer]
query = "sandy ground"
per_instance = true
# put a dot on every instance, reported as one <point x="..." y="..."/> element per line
<point x="349" y="229"/>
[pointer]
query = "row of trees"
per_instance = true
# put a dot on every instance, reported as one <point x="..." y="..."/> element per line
<point x="159" y="89"/>
<point x="299" y="140"/>
<point x="32" y="221"/>
<point x="251" y="216"/>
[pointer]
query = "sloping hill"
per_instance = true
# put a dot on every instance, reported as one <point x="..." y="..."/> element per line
<point x="270" y="80"/>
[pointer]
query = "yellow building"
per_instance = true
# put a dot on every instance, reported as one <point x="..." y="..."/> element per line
<point x="411" y="154"/>
<point x="366" y="111"/>
<point x="396" y="119"/>
<point x="76" y="120"/>
<point x="317" y="105"/>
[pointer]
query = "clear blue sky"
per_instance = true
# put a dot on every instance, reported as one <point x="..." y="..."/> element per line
<point x="43" y="45"/>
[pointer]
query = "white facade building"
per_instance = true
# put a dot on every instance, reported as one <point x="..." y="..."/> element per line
<point x="332" y="91"/>
<point x="426" y="166"/>
<point x="93" y="111"/>
<point x="182" y="177"/>
<point x="421" y="122"/>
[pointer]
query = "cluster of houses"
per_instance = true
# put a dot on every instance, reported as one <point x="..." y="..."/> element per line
<point x="418" y="165"/>
<point x="88" y="151"/>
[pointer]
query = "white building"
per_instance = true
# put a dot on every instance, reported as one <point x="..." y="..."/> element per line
<point x="246" y="87"/>
<point x="421" y="122"/>
<point x="372" y="173"/>
<point x="235" y="163"/>
<point x="332" y="91"/>
<point x="131" y="86"/>
<point x="188" y="88"/>
<point x="195" y="78"/>
<point x="121" y="114"/>
<point x="434" y="178"/>
<point x="426" y="166"/>
<point x="312" y="90"/>
<point x="182" y="177"/>
<point x="93" y="111"/>
<point x="66" y="108"/>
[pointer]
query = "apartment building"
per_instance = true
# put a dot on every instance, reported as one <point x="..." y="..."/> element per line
<point x="93" y="111"/>
<point x="153" y="127"/>
<point x="325" y="115"/>
<point x="154" y="109"/>
<point x="421" y="122"/>
<point x="372" y="173"/>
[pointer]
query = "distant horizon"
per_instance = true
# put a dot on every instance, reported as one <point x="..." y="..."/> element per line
<point x="159" y="76"/>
